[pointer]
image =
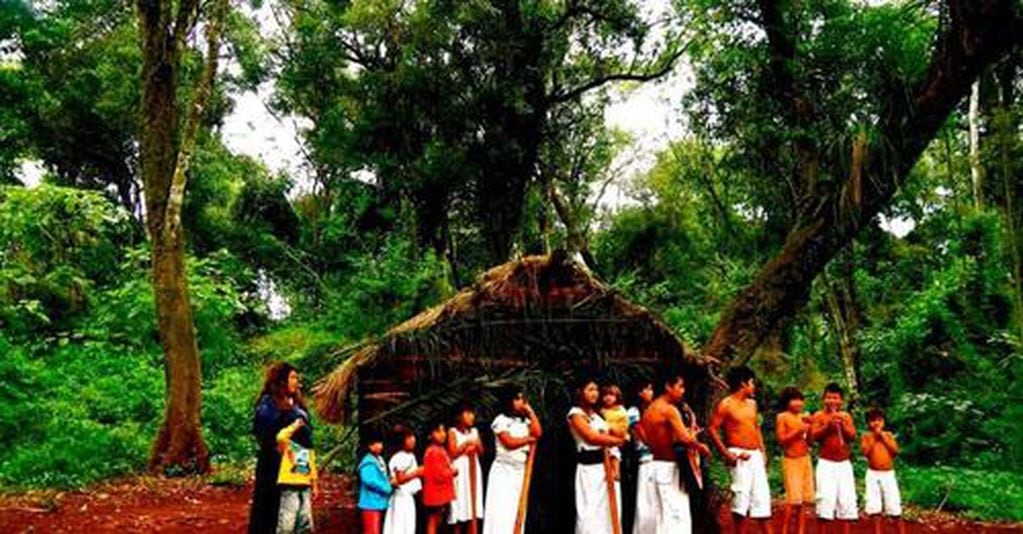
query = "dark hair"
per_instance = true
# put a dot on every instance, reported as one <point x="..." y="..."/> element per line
<point x="640" y="386"/>
<point x="374" y="435"/>
<point x="434" y="424"/>
<point x="788" y="394"/>
<point x="580" y="384"/>
<point x="506" y="397"/>
<point x="460" y="408"/>
<point x="275" y="385"/>
<point x="833" y="387"/>
<point x="874" y="414"/>
<point x="668" y="376"/>
<point x="399" y="433"/>
<point x="737" y="376"/>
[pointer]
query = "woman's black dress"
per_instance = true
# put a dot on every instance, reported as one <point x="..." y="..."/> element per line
<point x="267" y="421"/>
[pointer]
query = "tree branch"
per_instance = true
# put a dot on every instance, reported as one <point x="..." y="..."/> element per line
<point x="979" y="33"/>
<point x="175" y="200"/>
<point x="574" y="93"/>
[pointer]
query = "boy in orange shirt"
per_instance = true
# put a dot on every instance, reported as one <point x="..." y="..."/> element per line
<point x="880" y="448"/>
<point x="793" y="432"/>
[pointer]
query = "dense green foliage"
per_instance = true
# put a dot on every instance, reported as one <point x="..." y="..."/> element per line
<point x="405" y="205"/>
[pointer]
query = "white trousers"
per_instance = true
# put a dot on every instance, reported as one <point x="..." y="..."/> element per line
<point x="882" y="488"/>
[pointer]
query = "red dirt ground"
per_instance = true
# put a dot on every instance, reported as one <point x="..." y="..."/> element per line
<point x="192" y="505"/>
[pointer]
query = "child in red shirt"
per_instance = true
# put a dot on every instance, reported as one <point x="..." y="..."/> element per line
<point x="438" y="478"/>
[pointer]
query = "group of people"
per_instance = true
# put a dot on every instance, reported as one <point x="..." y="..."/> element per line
<point x="450" y="478"/>
<point x="832" y="486"/>
<point x="660" y="432"/>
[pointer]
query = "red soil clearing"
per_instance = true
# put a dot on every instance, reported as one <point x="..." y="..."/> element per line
<point x="192" y="505"/>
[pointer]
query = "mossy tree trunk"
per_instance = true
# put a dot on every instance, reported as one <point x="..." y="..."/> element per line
<point x="166" y="148"/>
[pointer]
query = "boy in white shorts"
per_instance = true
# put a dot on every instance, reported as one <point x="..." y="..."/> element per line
<point x="880" y="448"/>
<point x="833" y="429"/>
<point x="736" y="414"/>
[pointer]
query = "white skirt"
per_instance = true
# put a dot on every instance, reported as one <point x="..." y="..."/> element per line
<point x="461" y="507"/>
<point x="646" y="500"/>
<point x="503" y="494"/>
<point x="401" y="514"/>
<point x="672" y="500"/>
<point x="592" y="514"/>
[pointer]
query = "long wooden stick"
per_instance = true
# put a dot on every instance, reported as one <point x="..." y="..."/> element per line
<point x="472" y="492"/>
<point x="612" y="497"/>
<point x="520" y="515"/>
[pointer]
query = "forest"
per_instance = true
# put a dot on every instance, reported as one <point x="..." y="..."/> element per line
<point x="844" y="203"/>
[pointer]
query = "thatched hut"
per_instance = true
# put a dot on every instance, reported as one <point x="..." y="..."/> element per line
<point x="537" y="321"/>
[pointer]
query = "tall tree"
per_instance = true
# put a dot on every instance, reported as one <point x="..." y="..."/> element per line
<point x="165" y="149"/>
<point x="450" y="103"/>
<point x="972" y="35"/>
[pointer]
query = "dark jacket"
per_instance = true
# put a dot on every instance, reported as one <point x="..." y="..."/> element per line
<point x="268" y="419"/>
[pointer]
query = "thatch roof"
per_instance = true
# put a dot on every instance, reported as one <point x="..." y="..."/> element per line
<point x="538" y="311"/>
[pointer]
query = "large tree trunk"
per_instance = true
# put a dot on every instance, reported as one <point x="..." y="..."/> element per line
<point x="165" y="154"/>
<point x="179" y="443"/>
<point x="977" y="34"/>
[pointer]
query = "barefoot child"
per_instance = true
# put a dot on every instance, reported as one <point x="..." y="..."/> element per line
<point x="793" y="430"/>
<point x="438" y="478"/>
<point x="465" y="448"/>
<point x="833" y="429"/>
<point x="405" y="470"/>
<point x="880" y="448"/>
<point x="737" y="415"/>
<point x="613" y="411"/>
<point x="374" y="485"/>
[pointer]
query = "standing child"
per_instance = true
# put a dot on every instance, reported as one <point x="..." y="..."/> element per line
<point x="793" y="430"/>
<point x="516" y="430"/>
<point x="880" y="448"/>
<point x="833" y="429"/>
<point x="297" y="473"/>
<point x="465" y="448"/>
<point x="438" y="478"/>
<point x="617" y="417"/>
<point x="374" y="485"/>
<point x="405" y="470"/>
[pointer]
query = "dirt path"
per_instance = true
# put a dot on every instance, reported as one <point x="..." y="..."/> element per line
<point x="186" y="506"/>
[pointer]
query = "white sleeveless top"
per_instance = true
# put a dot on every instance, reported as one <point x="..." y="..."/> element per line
<point x="597" y="423"/>
<point x="516" y="427"/>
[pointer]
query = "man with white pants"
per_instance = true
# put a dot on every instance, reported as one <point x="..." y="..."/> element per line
<point x="662" y="428"/>
<point x="736" y="414"/>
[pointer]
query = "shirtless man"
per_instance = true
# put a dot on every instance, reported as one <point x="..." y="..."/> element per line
<point x="662" y="428"/>
<point x="833" y="429"/>
<point x="793" y="431"/>
<point x="744" y="453"/>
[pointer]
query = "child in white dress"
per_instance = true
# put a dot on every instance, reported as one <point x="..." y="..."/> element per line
<point x="465" y="448"/>
<point x="405" y="470"/>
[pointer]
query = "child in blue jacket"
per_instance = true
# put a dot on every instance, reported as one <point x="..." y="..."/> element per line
<point x="374" y="486"/>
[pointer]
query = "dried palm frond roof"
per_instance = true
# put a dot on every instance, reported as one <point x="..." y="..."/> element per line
<point x="537" y="310"/>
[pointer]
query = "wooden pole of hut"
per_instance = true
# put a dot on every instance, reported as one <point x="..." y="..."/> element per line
<point x="473" y="526"/>
<point x="520" y="515"/>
